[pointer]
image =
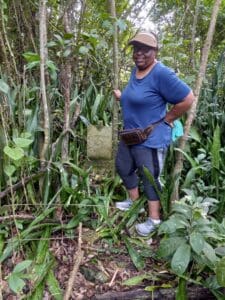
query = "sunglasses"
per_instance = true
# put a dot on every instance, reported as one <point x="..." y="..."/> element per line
<point x="143" y="49"/>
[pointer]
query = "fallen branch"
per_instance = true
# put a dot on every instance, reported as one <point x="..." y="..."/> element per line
<point x="78" y="257"/>
<point x="194" y="293"/>
<point x="18" y="217"/>
<point x="21" y="183"/>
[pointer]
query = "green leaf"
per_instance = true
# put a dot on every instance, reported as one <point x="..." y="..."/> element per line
<point x="22" y="266"/>
<point x="220" y="272"/>
<point x="210" y="253"/>
<point x="215" y="149"/>
<point x="14" y="153"/>
<point x="220" y="251"/>
<point x="138" y="279"/>
<point x="67" y="52"/>
<point x="182" y="209"/>
<point x="194" y="134"/>
<point x="188" y="157"/>
<point x="152" y="288"/>
<point x="83" y="50"/>
<point x="181" y="259"/>
<point x="172" y="225"/>
<point x="169" y="245"/>
<point x="137" y="260"/>
<point x="4" y="87"/>
<point x="22" y="142"/>
<point x="53" y="286"/>
<point x="15" y="283"/>
<point x="121" y="24"/>
<point x="31" y="57"/>
<point x="197" y="242"/>
<point x="9" y="170"/>
<point x="32" y="65"/>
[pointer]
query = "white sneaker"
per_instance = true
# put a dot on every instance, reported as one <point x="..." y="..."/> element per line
<point x="144" y="229"/>
<point x="124" y="205"/>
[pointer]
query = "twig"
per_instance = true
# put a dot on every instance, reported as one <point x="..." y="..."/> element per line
<point x="114" y="277"/>
<point x="78" y="257"/>
<point x="20" y="217"/>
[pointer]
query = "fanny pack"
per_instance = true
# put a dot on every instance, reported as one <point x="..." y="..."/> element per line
<point x="136" y="135"/>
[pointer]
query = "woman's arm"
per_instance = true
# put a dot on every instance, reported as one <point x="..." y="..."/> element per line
<point x="179" y="109"/>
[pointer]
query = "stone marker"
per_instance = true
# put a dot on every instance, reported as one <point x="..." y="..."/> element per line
<point x="99" y="142"/>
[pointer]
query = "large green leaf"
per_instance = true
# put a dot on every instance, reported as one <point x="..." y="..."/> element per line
<point x="172" y="225"/>
<point x="220" y="272"/>
<point x="22" y="142"/>
<point x="15" y="153"/>
<point x="169" y="245"/>
<point x="181" y="259"/>
<point x="197" y="242"/>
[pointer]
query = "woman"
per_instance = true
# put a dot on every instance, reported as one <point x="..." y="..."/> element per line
<point x="144" y="101"/>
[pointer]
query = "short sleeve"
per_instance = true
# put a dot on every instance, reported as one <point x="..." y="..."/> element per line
<point x="172" y="88"/>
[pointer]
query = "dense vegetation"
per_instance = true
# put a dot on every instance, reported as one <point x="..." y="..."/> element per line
<point x="47" y="185"/>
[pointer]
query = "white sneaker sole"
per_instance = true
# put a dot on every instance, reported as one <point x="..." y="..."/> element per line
<point x="142" y="210"/>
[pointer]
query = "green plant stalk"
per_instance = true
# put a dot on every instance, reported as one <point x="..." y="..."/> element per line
<point x="181" y="293"/>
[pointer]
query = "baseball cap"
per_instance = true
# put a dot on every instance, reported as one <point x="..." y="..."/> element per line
<point x="145" y="38"/>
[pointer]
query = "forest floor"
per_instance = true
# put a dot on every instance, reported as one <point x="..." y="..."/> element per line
<point x="102" y="271"/>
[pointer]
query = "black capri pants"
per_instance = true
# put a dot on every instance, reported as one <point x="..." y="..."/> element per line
<point x="130" y="163"/>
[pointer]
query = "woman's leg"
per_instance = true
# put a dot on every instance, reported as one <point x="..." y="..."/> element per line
<point x="126" y="168"/>
<point x="152" y="160"/>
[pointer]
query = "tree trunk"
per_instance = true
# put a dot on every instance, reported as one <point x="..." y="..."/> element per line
<point x="193" y="33"/>
<point x="191" y="115"/>
<point x="66" y="90"/>
<point x="43" y="58"/>
<point x="116" y="80"/>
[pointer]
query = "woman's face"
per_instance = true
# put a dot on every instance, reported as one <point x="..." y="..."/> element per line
<point x="143" y="56"/>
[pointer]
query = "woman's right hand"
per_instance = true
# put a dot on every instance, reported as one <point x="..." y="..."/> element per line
<point x="117" y="94"/>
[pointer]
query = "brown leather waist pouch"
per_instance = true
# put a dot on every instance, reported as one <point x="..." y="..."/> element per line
<point x="133" y="136"/>
<point x="136" y="136"/>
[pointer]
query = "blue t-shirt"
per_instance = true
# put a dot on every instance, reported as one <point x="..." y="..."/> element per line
<point x="144" y="101"/>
